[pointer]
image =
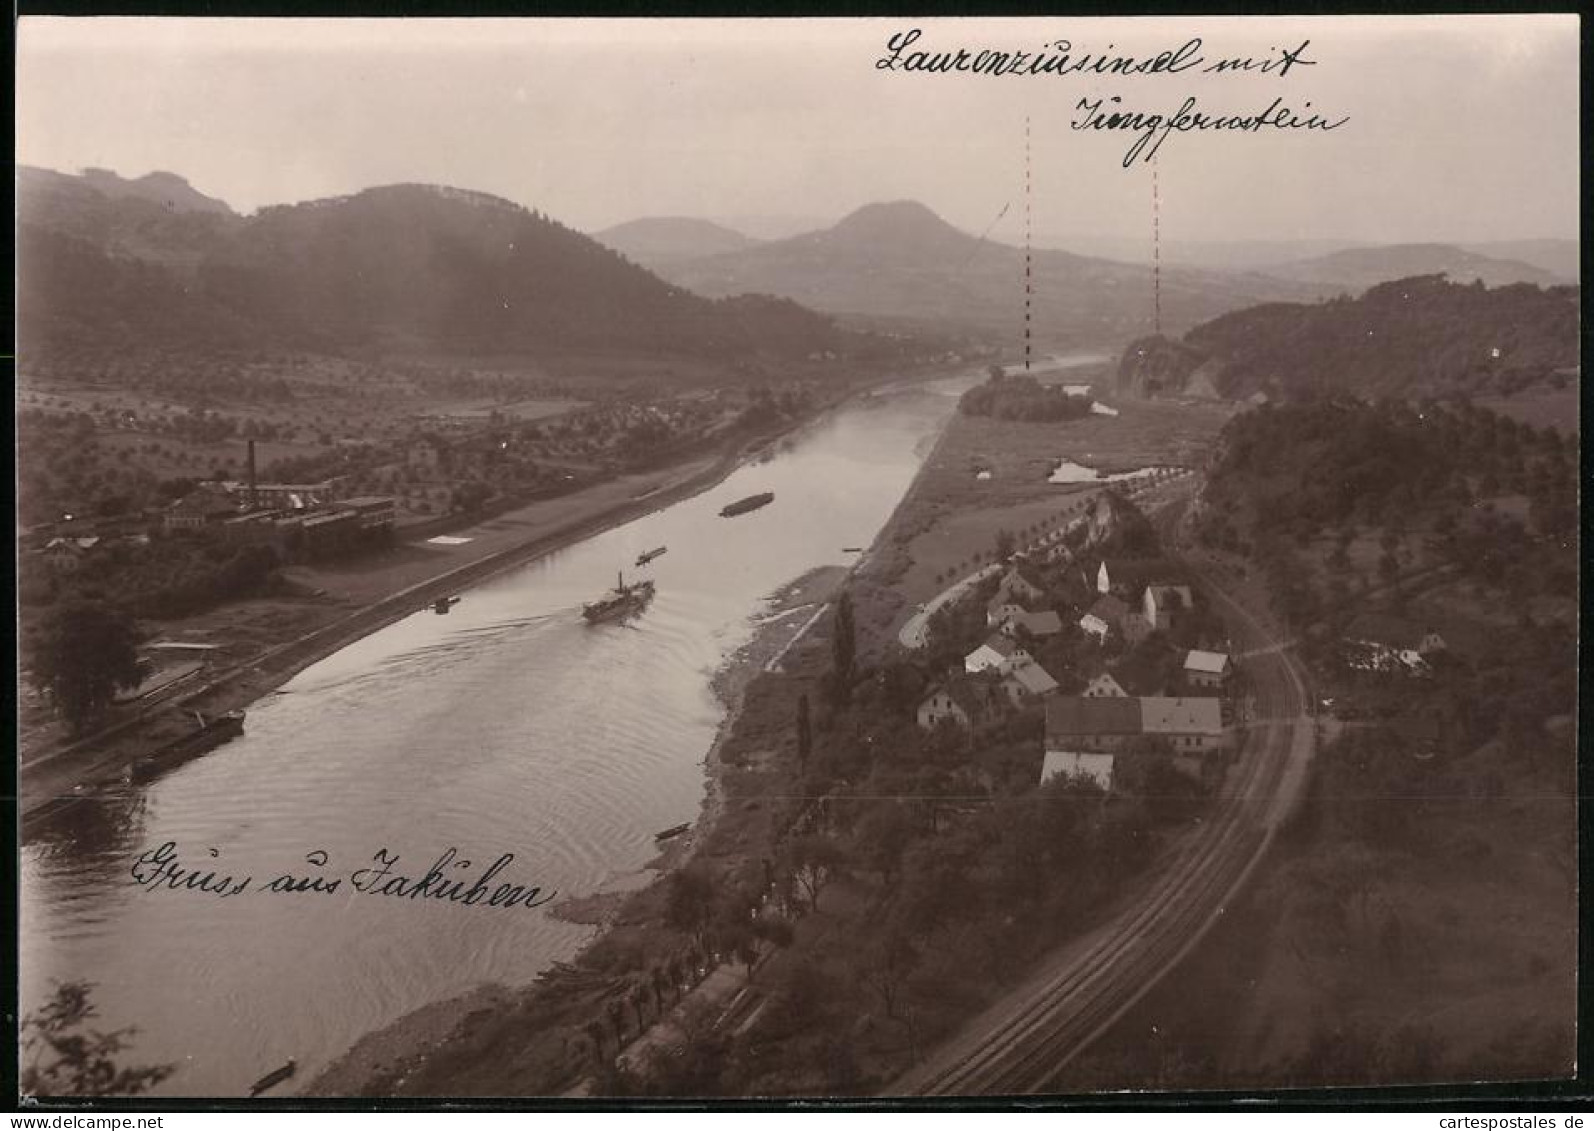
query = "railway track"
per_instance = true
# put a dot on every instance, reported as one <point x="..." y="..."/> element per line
<point x="1024" y="1043"/>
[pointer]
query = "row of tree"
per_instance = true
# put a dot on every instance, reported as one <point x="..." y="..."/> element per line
<point x="1022" y="397"/>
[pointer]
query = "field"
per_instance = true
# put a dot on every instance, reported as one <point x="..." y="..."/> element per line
<point x="952" y="513"/>
<point x="107" y="436"/>
<point x="531" y="409"/>
<point x="943" y="552"/>
<point x="1021" y="456"/>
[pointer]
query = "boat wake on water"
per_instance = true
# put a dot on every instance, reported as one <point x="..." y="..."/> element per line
<point x="621" y="602"/>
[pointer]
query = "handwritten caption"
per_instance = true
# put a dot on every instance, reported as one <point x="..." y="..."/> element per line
<point x="1149" y="130"/>
<point x="448" y="879"/>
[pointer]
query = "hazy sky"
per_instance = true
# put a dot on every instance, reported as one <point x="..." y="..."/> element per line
<point x="1459" y="128"/>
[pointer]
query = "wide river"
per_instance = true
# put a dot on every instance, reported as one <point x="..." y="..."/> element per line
<point x="507" y="726"/>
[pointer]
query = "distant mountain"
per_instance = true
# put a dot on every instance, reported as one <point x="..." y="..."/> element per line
<point x="899" y="262"/>
<point x="406" y="266"/>
<point x="1558" y="258"/>
<point x="656" y="240"/>
<point x="772" y="226"/>
<point x="1418" y="335"/>
<point x="159" y="217"/>
<point x="1356" y="269"/>
<point x="1561" y="258"/>
<point x="1217" y="255"/>
<point x="167" y="190"/>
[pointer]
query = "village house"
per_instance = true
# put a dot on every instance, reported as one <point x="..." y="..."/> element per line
<point x="947" y="702"/>
<point x="1191" y="725"/>
<point x="65" y="555"/>
<point x="1081" y="726"/>
<point x="1105" y="616"/>
<point x="1016" y="585"/>
<point x="998" y="654"/>
<point x="1104" y="686"/>
<point x="965" y="702"/>
<point x="1207" y="669"/>
<point x="1002" y="609"/>
<point x="1014" y="595"/>
<point x="1072" y="763"/>
<point x="1027" y="683"/>
<point x="1077" y="723"/>
<point x="1383" y="643"/>
<point x="1042" y="624"/>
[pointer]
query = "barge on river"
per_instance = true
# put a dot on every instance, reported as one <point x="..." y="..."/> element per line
<point x="751" y="503"/>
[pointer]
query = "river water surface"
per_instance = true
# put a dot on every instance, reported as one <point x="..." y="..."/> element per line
<point x="507" y="726"/>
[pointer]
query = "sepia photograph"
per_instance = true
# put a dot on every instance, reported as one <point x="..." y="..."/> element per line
<point x="851" y="559"/>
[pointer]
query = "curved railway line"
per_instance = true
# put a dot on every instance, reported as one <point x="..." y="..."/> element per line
<point x="1025" y="1042"/>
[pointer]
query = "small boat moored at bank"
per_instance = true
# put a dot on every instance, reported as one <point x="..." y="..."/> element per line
<point x="751" y="503"/>
<point x="272" y="1079"/>
<point x="206" y="737"/>
<point x="443" y="604"/>
<point x="673" y="831"/>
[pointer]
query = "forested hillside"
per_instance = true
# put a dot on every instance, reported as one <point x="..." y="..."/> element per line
<point x="406" y="267"/>
<point x="1411" y="336"/>
<point x="1489" y="497"/>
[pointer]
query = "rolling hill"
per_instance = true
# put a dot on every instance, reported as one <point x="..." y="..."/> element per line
<point x="405" y="267"/>
<point x="1561" y="258"/>
<point x="901" y="263"/>
<point x="1356" y="269"/>
<point x="656" y="240"/>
